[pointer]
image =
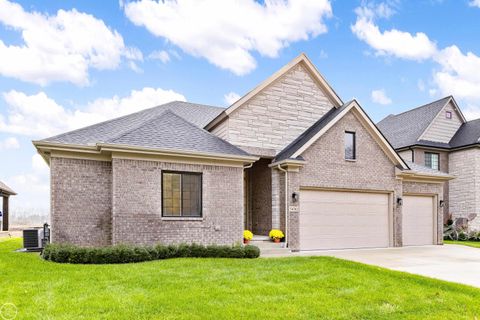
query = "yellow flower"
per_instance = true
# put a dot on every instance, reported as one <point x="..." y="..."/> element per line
<point x="276" y="234"/>
<point x="247" y="235"/>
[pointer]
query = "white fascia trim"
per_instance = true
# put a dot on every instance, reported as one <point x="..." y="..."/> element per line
<point x="173" y="152"/>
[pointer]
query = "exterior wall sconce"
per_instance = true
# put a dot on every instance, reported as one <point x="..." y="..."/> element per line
<point x="399" y="201"/>
<point x="295" y="197"/>
<point x="442" y="204"/>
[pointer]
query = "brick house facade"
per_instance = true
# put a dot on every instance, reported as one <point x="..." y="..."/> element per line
<point x="254" y="159"/>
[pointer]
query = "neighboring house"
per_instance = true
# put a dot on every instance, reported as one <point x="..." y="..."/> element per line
<point x="5" y="193"/>
<point x="289" y="155"/>
<point x="437" y="135"/>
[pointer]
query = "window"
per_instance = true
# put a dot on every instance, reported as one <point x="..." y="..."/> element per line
<point x="350" y="152"/>
<point x="181" y="194"/>
<point x="432" y="160"/>
<point x="448" y="114"/>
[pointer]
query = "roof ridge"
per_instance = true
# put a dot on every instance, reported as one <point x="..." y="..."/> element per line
<point x="123" y="134"/>
<point x="131" y="114"/>
<point x="419" y="107"/>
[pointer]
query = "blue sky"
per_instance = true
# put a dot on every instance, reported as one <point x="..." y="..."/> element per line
<point x="66" y="64"/>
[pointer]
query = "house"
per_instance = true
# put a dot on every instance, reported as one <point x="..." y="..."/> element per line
<point x="289" y="155"/>
<point x="436" y="135"/>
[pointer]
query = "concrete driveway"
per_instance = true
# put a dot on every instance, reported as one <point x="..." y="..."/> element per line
<point x="454" y="263"/>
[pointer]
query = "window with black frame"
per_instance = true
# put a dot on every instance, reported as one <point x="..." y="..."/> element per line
<point x="181" y="194"/>
<point x="350" y="146"/>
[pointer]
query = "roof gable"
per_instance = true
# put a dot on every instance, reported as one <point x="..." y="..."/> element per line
<point x="442" y="129"/>
<point x="406" y="128"/>
<point x="302" y="143"/>
<point x="306" y="64"/>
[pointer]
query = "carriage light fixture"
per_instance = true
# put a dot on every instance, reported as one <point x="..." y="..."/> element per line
<point x="295" y="197"/>
<point x="399" y="201"/>
<point x="442" y="203"/>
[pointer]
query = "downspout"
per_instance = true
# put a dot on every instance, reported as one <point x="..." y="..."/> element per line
<point x="286" y="203"/>
<point x="246" y="210"/>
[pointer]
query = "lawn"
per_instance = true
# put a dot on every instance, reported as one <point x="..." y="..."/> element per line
<point x="278" y="288"/>
<point x="475" y="244"/>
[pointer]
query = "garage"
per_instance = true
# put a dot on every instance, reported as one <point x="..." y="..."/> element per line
<point x="341" y="220"/>
<point x="418" y="220"/>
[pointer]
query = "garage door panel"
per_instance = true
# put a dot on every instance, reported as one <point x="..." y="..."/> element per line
<point x="418" y="220"/>
<point x="334" y="220"/>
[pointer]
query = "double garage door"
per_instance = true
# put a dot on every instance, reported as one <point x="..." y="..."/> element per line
<point x="341" y="220"/>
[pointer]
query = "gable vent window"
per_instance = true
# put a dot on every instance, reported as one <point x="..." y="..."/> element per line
<point x="350" y="146"/>
<point x="181" y="194"/>
<point x="448" y="114"/>
<point x="432" y="160"/>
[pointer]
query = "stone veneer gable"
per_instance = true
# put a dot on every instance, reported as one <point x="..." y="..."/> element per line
<point x="278" y="114"/>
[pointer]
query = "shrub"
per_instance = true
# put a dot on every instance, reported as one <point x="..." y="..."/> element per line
<point x="127" y="253"/>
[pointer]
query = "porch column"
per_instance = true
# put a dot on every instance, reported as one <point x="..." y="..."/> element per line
<point x="5" y="213"/>
<point x="277" y="199"/>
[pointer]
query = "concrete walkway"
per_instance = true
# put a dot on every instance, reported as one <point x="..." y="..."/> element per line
<point x="454" y="263"/>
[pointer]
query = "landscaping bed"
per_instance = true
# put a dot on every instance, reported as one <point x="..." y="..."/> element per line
<point x="190" y="288"/>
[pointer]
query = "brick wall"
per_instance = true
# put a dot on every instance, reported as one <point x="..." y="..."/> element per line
<point x="464" y="190"/>
<point x="81" y="203"/>
<point x="137" y="205"/>
<point x="326" y="166"/>
<point x="419" y="157"/>
<point x="260" y="179"/>
<point x="278" y="114"/>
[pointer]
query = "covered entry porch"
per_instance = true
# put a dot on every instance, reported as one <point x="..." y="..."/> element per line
<point x="5" y="193"/>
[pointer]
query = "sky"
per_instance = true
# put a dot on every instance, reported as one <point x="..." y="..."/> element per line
<point x="68" y="64"/>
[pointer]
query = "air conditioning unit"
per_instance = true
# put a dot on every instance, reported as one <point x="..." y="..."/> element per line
<point x="33" y="239"/>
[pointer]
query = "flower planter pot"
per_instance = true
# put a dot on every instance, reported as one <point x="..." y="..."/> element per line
<point x="245" y="241"/>
<point x="276" y="240"/>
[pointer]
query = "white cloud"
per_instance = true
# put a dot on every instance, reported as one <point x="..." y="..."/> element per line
<point x="231" y="97"/>
<point x="162" y="55"/>
<point x="459" y="74"/>
<point x="227" y="32"/>
<point x="39" y="116"/>
<point x="39" y="165"/>
<point x="380" y="97"/>
<point x="392" y="42"/>
<point x="59" y="47"/>
<point x="9" y="143"/>
<point x="474" y="3"/>
<point x="456" y="73"/>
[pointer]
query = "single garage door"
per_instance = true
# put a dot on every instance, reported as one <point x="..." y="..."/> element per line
<point x="340" y="220"/>
<point x="418" y="220"/>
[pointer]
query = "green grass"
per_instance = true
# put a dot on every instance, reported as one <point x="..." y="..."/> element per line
<point x="475" y="244"/>
<point x="283" y="288"/>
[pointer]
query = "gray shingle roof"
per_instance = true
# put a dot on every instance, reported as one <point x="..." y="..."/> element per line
<point x="405" y="129"/>
<point x="172" y="132"/>
<point x="197" y="114"/>
<point x="467" y="134"/>
<point x="6" y="189"/>
<point x="422" y="169"/>
<point x="309" y="133"/>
